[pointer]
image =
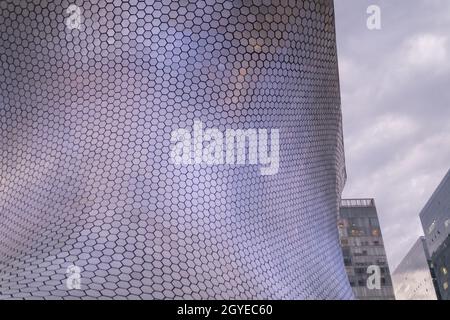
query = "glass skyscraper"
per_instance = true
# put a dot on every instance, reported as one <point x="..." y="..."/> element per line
<point x="441" y="264"/>
<point x="414" y="278"/>
<point x="435" y="218"/>
<point x="363" y="250"/>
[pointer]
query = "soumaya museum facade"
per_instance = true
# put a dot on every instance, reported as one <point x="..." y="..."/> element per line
<point x="91" y="203"/>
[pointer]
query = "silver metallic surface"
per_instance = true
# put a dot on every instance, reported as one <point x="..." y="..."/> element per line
<point x="86" y="178"/>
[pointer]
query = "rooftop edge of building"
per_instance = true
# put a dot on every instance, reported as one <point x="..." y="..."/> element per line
<point x="435" y="193"/>
<point x="352" y="203"/>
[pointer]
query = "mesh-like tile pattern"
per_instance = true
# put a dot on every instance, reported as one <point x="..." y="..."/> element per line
<point x="86" y="178"/>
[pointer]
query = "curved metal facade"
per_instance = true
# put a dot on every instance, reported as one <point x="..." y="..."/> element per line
<point x="87" y="107"/>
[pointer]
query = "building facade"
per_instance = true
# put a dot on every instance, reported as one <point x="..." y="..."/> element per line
<point x="91" y="203"/>
<point x="363" y="250"/>
<point x="435" y="218"/>
<point x="414" y="278"/>
<point x="441" y="264"/>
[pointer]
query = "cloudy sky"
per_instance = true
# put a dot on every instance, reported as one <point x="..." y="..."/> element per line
<point x="395" y="85"/>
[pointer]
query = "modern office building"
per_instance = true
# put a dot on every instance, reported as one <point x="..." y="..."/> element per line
<point x="441" y="264"/>
<point x="363" y="250"/>
<point x="91" y="203"/>
<point x="435" y="218"/>
<point x="414" y="278"/>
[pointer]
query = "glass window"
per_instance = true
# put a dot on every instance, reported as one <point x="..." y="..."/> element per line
<point x="376" y="232"/>
<point x="431" y="227"/>
<point x="447" y="223"/>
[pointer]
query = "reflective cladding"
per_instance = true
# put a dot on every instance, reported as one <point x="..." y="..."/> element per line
<point x="414" y="278"/>
<point x="89" y="97"/>
<point x="435" y="216"/>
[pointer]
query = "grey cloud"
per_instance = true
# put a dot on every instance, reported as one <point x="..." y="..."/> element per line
<point x="395" y="99"/>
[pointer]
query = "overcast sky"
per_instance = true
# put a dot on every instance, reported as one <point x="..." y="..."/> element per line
<point x="395" y="86"/>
